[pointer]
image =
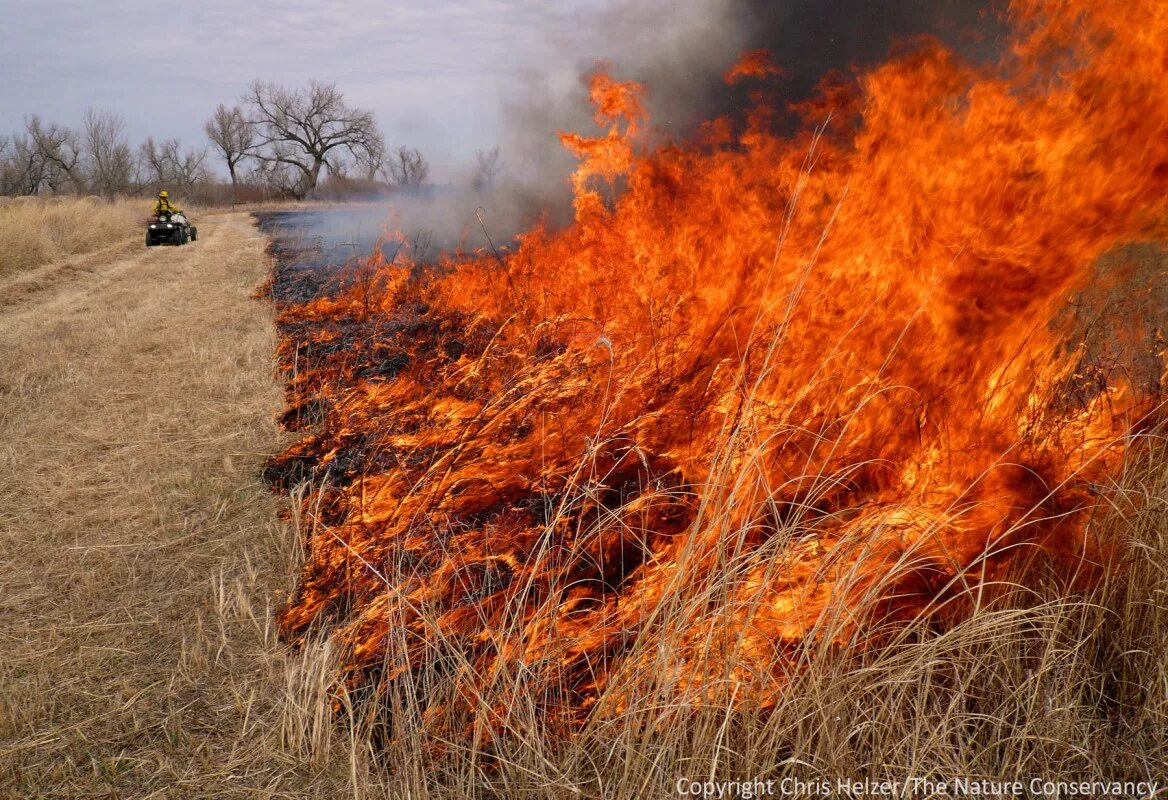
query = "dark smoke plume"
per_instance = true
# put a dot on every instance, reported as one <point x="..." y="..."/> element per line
<point x="680" y="50"/>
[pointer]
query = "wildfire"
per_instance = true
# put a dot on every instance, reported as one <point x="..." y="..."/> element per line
<point x="781" y="390"/>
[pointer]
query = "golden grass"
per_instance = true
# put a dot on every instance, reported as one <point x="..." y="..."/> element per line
<point x="1039" y="683"/>
<point x="141" y="557"/>
<point x="139" y="550"/>
<point x="36" y="233"/>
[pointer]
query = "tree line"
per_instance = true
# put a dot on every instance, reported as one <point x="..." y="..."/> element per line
<point x="276" y="141"/>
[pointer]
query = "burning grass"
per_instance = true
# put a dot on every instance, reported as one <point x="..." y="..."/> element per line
<point x="773" y="459"/>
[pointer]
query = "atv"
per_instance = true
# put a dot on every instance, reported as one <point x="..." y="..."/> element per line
<point x="170" y="227"/>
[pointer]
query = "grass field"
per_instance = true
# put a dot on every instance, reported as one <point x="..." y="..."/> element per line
<point x="37" y="232"/>
<point x="142" y="559"/>
<point x="140" y="549"/>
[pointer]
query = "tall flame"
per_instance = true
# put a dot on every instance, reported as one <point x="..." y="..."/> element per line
<point x="776" y="381"/>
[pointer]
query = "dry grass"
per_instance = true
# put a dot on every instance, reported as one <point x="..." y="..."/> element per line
<point x="33" y="234"/>
<point x="141" y="556"/>
<point x="1041" y="682"/>
<point x="140" y="551"/>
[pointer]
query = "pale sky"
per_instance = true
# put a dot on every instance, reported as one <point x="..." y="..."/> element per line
<point x="434" y="72"/>
<point x="439" y="74"/>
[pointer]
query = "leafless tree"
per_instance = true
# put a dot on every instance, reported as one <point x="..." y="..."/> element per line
<point x="188" y="166"/>
<point x="299" y="131"/>
<point x="42" y="157"/>
<point x="153" y="165"/>
<point x="234" y="137"/>
<point x="166" y="164"/>
<point x="407" y="168"/>
<point x="488" y="168"/>
<point x="58" y="150"/>
<point x="109" y="160"/>
<point x="11" y="167"/>
<point x="370" y="161"/>
<point x="22" y="172"/>
<point x="278" y="179"/>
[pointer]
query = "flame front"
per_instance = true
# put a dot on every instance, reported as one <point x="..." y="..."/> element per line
<point x="778" y="389"/>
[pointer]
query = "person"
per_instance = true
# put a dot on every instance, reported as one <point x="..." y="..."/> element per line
<point x="164" y="204"/>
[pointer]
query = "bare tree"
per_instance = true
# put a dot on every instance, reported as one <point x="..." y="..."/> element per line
<point x="488" y="169"/>
<point x="187" y="167"/>
<point x="278" y="179"/>
<point x="234" y="137"/>
<point x="407" y="168"/>
<point x="371" y="160"/>
<point x="13" y="164"/>
<point x="152" y="162"/>
<point x="298" y="132"/>
<point x="58" y="150"/>
<point x="42" y="157"/>
<point x="110" y="162"/>
<point x="22" y="171"/>
<point x="166" y="164"/>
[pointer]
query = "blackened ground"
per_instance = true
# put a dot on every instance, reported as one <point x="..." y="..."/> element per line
<point x="322" y="356"/>
<point x="308" y="248"/>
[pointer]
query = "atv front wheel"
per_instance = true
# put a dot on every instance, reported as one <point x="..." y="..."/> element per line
<point x="194" y="233"/>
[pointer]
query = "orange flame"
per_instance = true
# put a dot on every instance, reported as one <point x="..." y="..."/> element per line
<point x="752" y="64"/>
<point x="776" y="379"/>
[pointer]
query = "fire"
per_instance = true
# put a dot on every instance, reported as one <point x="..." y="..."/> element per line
<point x="779" y="391"/>
<point x="752" y="64"/>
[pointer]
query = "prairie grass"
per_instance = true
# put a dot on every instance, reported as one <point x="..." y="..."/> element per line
<point x="142" y="561"/>
<point x="139" y="551"/>
<point x="36" y="232"/>
<point x="1039" y="681"/>
<point x="1045" y="677"/>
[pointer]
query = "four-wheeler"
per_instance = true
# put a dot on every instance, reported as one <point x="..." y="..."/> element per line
<point x="170" y="227"/>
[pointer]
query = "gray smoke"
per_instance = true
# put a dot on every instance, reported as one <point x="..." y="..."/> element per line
<point x="680" y="50"/>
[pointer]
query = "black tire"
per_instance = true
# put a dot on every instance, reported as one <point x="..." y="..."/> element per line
<point x="194" y="234"/>
<point x="149" y="240"/>
<point x="178" y="238"/>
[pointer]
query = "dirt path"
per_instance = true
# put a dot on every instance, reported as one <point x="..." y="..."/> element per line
<point x="139" y="551"/>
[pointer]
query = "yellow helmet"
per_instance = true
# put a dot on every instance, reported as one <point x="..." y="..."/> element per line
<point x="163" y="194"/>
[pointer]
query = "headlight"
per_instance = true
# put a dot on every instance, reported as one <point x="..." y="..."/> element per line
<point x="153" y="226"/>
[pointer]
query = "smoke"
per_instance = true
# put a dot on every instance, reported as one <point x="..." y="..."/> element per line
<point x="679" y="50"/>
<point x="414" y="226"/>
<point x="810" y="38"/>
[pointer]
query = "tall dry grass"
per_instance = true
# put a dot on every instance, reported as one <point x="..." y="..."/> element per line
<point x="34" y="233"/>
<point x="1044" y="678"/>
<point x="1047" y="679"/>
<point x="1041" y="681"/>
<point x="141" y="559"/>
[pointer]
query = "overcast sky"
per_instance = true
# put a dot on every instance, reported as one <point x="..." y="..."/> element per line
<point x="440" y="75"/>
<point x="434" y="71"/>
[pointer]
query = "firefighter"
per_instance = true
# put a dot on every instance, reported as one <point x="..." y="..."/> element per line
<point x="164" y="204"/>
